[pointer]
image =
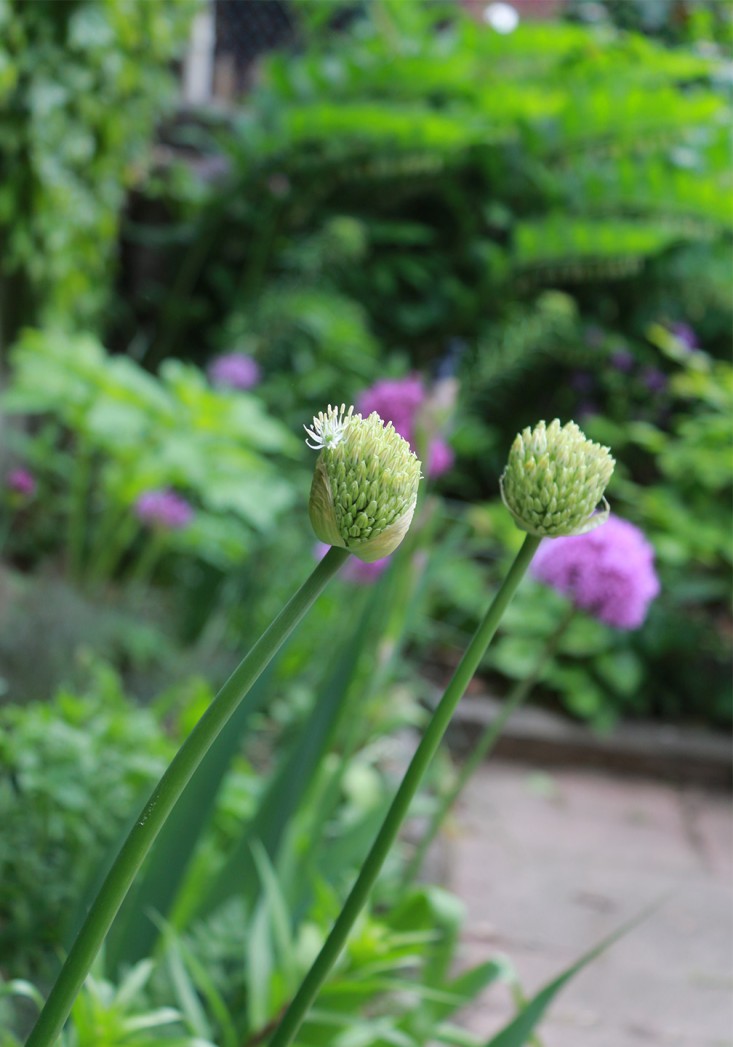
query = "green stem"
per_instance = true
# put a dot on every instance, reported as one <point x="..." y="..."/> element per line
<point x="115" y="535"/>
<point x="357" y="899"/>
<point x="485" y="745"/>
<point x="79" y="497"/>
<point x="164" y="797"/>
<point x="147" y="561"/>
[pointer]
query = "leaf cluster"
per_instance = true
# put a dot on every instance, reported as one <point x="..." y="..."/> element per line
<point x="82" y="85"/>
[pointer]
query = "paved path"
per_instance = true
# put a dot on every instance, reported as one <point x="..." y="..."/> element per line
<point x="548" y="864"/>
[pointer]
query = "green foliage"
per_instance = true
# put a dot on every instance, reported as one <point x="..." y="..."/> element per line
<point x="677" y="487"/>
<point x="705" y="22"/>
<point x="113" y="1015"/>
<point x="73" y="769"/>
<point x="122" y="431"/>
<point x="82" y="86"/>
<point x="476" y="170"/>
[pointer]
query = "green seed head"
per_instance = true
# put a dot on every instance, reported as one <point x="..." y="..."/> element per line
<point x="365" y="483"/>
<point x="554" y="480"/>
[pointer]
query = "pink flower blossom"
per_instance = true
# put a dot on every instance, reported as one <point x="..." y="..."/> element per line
<point x="405" y="403"/>
<point x="22" y="482"/>
<point x="234" y="371"/>
<point x="163" y="509"/>
<point x="441" y="457"/>
<point x="608" y="572"/>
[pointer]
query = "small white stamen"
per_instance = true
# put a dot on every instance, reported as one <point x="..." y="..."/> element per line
<point x="329" y="427"/>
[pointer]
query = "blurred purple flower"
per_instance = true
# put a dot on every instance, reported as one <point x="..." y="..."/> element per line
<point x="356" y="570"/>
<point x="440" y="457"/>
<point x="622" y="360"/>
<point x="234" y="371"/>
<point x="21" y="481"/>
<point x="401" y="401"/>
<point x="395" y="400"/>
<point x="164" y="509"/>
<point x="608" y="572"/>
<point x="586" y="409"/>
<point x="654" y="379"/>
<point x="686" y="335"/>
<point x="582" y="381"/>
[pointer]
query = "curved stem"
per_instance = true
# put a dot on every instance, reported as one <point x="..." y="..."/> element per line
<point x="163" y="799"/>
<point x="301" y="1003"/>
<point x="485" y="744"/>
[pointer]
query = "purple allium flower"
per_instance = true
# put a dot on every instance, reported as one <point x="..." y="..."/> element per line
<point x="622" y="360"/>
<point x="395" y="400"/>
<point x="441" y="457"/>
<point x="654" y="379"/>
<point x="234" y="371"/>
<point x="164" y="509"/>
<point x="21" y="481"/>
<point x="686" y="335"/>
<point x="356" y="570"/>
<point x="400" y="401"/>
<point x="608" y="572"/>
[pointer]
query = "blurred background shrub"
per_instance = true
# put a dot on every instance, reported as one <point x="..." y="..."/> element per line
<point x="82" y="87"/>
<point x="405" y="206"/>
<point x="542" y="214"/>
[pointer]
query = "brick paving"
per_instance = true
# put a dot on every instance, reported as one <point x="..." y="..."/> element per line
<point x="549" y="863"/>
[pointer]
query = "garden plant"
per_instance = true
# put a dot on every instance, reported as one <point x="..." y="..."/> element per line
<point x="363" y="498"/>
<point x="458" y="228"/>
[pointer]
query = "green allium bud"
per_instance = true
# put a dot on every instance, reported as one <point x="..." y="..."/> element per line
<point x="554" y="480"/>
<point x="365" y="483"/>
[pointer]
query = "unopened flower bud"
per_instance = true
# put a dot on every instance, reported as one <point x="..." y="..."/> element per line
<point x="554" y="480"/>
<point x="365" y="483"/>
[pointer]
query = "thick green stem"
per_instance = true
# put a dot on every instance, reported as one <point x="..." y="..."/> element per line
<point x="357" y="899"/>
<point x="485" y="745"/>
<point x="164" y="797"/>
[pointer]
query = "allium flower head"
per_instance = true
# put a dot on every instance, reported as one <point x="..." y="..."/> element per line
<point x="554" y="480"/>
<point x="21" y="482"/>
<point x="609" y="573"/>
<point x="365" y="483"/>
<point x="164" y="509"/>
<point x="234" y="371"/>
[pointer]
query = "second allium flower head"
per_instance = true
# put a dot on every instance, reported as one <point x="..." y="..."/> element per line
<point x="365" y="483"/>
<point x="554" y="480"/>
